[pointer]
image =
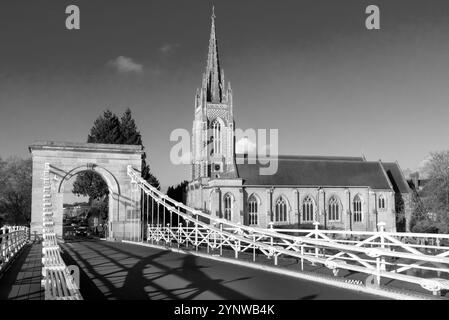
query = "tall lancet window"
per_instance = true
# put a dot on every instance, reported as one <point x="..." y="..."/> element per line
<point x="216" y="137"/>
<point x="357" y="205"/>
<point x="307" y="210"/>
<point x="281" y="210"/>
<point x="334" y="209"/>
<point x="252" y="210"/>
<point x="228" y="207"/>
<point x="381" y="203"/>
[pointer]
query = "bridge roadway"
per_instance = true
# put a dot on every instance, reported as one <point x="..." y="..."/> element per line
<point x="113" y="270"/>
<point x="125" y="271"/>
<point x="22" y="279"/>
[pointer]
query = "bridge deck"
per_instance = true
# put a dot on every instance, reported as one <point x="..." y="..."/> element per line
<point x="22" y="281"/>
<point x="124" y="271"/>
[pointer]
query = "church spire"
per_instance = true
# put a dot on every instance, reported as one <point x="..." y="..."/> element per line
<point x="214" y="86"/>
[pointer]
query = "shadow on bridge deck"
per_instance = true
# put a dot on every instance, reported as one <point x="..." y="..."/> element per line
<point x="22" y="281"/>
<point x="111" y="270"/>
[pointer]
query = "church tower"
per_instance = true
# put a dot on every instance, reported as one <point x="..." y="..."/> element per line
<point x="213" y="127"/>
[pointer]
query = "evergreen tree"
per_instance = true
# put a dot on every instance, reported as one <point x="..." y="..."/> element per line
<point x="110" y="130"/>
<point x="130" y="135"/>
<point x="178" y="192"/>
<point x="128" y="130"/>
<point x="106" y="129"/>
<point x="147" y="175"/>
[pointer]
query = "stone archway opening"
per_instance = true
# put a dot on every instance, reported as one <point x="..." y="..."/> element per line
<point x="68" y="159"/>
<point x="85" y="202"/>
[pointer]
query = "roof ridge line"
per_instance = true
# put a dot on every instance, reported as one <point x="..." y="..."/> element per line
<point x="311" y="159"/>
<point x="403" y="177"/>
<point x="385" y="174"/>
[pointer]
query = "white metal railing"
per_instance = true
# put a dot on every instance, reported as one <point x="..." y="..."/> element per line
<point x="57" y="280"/>
<point x="12" y="239"/>
<point x="398" y="256"/>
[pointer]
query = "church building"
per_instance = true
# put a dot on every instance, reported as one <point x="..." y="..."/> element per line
<point x="348" y="193"/>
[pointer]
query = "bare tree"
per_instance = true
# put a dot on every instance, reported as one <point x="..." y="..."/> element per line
<point x="433" y="202"/>
<point x="15" y="191"/>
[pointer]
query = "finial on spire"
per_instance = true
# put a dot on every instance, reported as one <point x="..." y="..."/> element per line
<point x="213" y="12"/>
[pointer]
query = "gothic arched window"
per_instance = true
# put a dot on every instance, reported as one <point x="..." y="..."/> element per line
<point x="227" y="207"/>
<point x="333" y="209"/>
<point x="357" y="209"/>
<point x="281" y="210"/>
<point x="307" y="210"/>
<point x="216" y="137"/>
<point x="252" y="210"/>
<point x="381" y="201"/>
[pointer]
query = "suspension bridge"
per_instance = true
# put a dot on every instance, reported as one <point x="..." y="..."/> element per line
<point x="167" y="250"/>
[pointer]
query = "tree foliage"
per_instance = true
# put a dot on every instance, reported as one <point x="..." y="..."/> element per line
<point x="90" y="184"/>
<point x="98" y="209"/>
<point x="178" y="192"/>
<point x="431" y="204"/>
<point x="106" y="129"/>
<point x="400" y="212"/>
<point x="109" y="129"/>
<point x="128" y="130"/>
<point x="15" y="191"/>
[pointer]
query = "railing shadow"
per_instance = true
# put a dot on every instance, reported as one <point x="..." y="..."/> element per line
<point x="89" y="289"/>
<point x="139" y="281"/>
<point x="22" y="280"/>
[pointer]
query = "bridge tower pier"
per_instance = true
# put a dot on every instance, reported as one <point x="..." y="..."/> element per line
<point x="110" y="161"/>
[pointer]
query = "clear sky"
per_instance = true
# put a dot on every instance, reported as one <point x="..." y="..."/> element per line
<point x="307" y="68"/>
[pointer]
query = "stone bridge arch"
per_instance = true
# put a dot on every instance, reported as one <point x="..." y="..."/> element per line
<point x="110" y="161"/>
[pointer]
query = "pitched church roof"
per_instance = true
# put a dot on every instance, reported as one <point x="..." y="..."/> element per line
<point x="302" y="157"/>
<point x="396" y="177"/>
<point x="318" y="171"/>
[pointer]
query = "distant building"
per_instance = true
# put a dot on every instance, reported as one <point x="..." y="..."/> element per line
<point x="416" y="182"/>
<point x="75" y="210"/>
<point x="348" y="193"/>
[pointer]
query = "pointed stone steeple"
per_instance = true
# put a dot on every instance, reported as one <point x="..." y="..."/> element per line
<point x="214" y="81"/>
<point x="213" y="126"/>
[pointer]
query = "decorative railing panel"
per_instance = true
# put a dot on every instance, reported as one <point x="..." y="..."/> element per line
<point x="12" y="239"/>
<point x="57" y="280"/>
<point x="398" y="256"/>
